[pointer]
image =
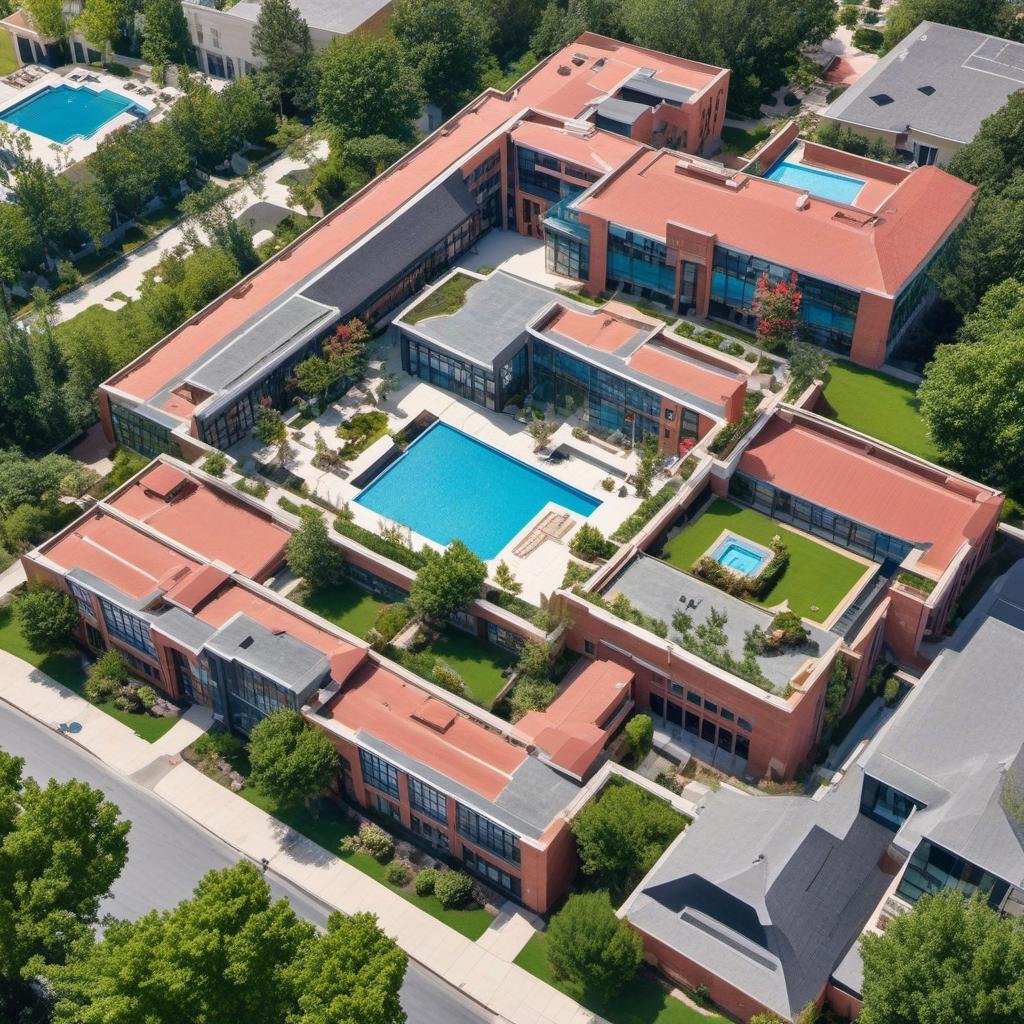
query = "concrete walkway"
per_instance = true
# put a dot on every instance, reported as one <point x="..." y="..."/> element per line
<point x="128" y="275"/>
<point x="482" y="970"/>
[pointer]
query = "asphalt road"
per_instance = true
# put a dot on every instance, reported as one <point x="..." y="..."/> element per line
<point x="168" y="854"/>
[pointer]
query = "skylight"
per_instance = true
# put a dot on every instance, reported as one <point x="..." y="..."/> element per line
<point x="882" y="99"/>
<point x="926" y="89"/>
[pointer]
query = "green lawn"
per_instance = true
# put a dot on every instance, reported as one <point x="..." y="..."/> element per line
<point x="479" y="663"/>
<point x="8" y="62"/>
<point x="333" y="825"/>
<point x="817" y="576"/>
<point x="346" y="605"/>
<point x="442" y="301"/>
<point x="643" y="1001"/>
<point x="67" y="669"/>
<point x="879" y="405"/>
<point x="739" y="140"/>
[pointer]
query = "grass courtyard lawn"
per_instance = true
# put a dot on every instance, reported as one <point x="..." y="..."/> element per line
<point x="740" y="140"/>
<point x="816" y="576"/>
<point x="331" y="826"/>
<point x="8" y="62"/>
<point x="879" y="405"/>
<point x="67" y="669"/>
<point x="480" y="664"/>
<point x="442" y="301"/>
<point x="642" y="1001"/>
<point x="346" y="605"/>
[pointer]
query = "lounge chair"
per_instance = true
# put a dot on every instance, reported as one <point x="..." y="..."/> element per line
<point x="130" y="86"/>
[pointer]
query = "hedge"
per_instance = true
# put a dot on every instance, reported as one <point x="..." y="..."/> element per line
<point x="649" y="507"/>
<point x="389" y="549"/>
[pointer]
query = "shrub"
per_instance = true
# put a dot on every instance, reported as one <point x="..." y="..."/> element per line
<point x="871" y="18"/>
<point x="849" y="16"/>
<point x="425" y="882"/>
<point x="126" y="464"/>
<point x="453" y="889"/>
<point x="447" y="582"/>
<point x="608" y="483"/>
<point x="376" y="842"/>
<point x="397" y="874"/>
<point x="447" y="678"/>
<point x="128" y="699"/>
<point x="790" y="100"/>
<point x="580" y="434"/>
<point x="868" y="39"/>
<point x="218" y="746"/>
<point x="640" y="735"/>
<point x="734" y="348"/>
<point x="646" y="511"/>
<point x="391" y="620"/>
<point x="254" y="488"/>
<point x="529" y="696"/>
<point x="685" y="328"/>
<point x="215" y="464"/>
<point x="590" y="544"/>
<point x="98" y="689"/>
<point x="46" y="617"/>
<point x="891" y="690"/>
<point x="290" y="506"/>
<point x="388" y="547"/>
<point x="576" y="573"/>
<point x="147" y="695"/>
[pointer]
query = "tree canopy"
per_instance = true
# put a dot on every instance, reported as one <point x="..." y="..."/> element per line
<point x="367" y="88"/>
<point x="588" y="946"/>
<point x="166" y="38"/>
<point x="447" y="582"/>
<point x="311" y="554"/>
<point x="446" y="43"/>
<point x="949" y="961"/>
<point x="281" y="43"/>
<point x="62" y="846"/>
<point x="995" y="16"/>
<point x="46" y="617"/>
<point x="620" y="835"/>
<point x="291" y="760"/>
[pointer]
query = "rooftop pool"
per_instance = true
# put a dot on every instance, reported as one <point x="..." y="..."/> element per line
<point x="449" y="485"/>
<point x="61" y="113"/>
<point x="743" y="557"/>
<point x="841" y="188"/>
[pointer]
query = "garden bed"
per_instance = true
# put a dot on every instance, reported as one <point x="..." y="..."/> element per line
<point x="442" y="301"/>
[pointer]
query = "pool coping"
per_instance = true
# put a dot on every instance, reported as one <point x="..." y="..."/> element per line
<point x="724" y="537"/>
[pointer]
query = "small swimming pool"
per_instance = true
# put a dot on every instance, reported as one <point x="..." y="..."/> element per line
<point x="740" y="555"/>
<point x="449" y="485"/>
<point x="61" y="113"/>
<point x="842" y="188"/>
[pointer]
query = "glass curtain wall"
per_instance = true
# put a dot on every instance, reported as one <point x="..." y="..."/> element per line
<point x="636" y="266"/>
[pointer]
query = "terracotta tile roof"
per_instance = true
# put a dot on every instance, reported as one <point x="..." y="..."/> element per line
<point x="849" y="477"/>
<point x="601" y="151"/>
<point x="759" y="216"/>
<point x="659" y="361"/>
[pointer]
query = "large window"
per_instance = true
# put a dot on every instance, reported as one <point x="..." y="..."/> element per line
<point x="884" y="804"/>
<point x="533" y="168"/>
<point x="140" y="434"/>
<point x="83" y="599"/>
<point x="637" y="265"/>
<point x="128" y="628"/>
<point x="491" y="873"/>
<point x="379" y="773"/>
<point x="828" y="312"/>
<point x="252" y="696"/>
<point x="421" y="360"/>
<point x="932" y="869"/>
<point x="430" y="801"/>
<point x="483" y="832"/>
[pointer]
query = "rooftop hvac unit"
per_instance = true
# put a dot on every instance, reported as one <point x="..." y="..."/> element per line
<point x="803" y="201"/>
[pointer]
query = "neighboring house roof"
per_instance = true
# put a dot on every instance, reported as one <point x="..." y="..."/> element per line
<point x="849" y="475"/>
<point x="939" y="80"/>
<point x="956" y="744"/>
<point x="337" y="16"/>
<point x="768" y="893"/>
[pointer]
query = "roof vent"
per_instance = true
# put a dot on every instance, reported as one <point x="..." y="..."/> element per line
<point x="599" y="63"/>
<point x="926" y="89"/>
<point x="579" y="59"/>
<point x="645" y="73"/>
<point x="803" y="201"/>
<point x="246" y="643"/>
<point x="564" y="69"/>
<point x="881" y="99"/>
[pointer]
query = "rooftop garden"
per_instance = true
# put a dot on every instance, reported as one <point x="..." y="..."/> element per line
<point x="442" y="301"/>
<point x="878" y="405"/>
<point x="816" y="577"/>
<point x="345" y="604"/>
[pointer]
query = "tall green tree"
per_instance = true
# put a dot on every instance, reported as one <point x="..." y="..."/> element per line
<point x="290" y="759"/>
<point x="445" y="42"/>
<point x="996" y="153"/>
<point x="367" y="88"/>
<point x="48" y="17"/>
<point x="19" y="422"/>
<point x="311" y="554"/>
<point x="995" y="16"/>
<point x="62" y="846"/>
<point x="222" y="955"/>
<point x="620" y="835"/>
<point x="166" y="40"/>
<point x="101" y="22"/>
<point x="559" y="25"/>
<point x="46" y="616"/>
<point x="447" y="582"/>
<point x="281" y="43"/>
<point x="20" y="249"/>
<point x="949" y="961"/>
<point x="198" y="118"/>
<point x="588" y="946"/>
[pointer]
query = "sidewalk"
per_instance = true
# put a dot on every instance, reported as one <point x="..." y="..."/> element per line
<point x="472" y="967"/>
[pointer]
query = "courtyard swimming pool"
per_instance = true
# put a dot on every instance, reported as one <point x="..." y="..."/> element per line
<point x="60" y="113"/>
<point x="449" y="485"/>
<point x="740" y="555"/>
<point x="842" y="188"/>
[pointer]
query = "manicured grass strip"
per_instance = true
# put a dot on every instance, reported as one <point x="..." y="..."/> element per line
<point x="740" y="140"/>
<point x="67" y="669"/>
<point x="442" y="301"/>
<point x="480" y="664"/>
<point x="8" y="62"/>
<point x="642" y="1001"/>
<point x="879" y="405"/>
<point x="816" y="580"/>
<point x="346" y="605"/>
<point x="331" y="826"/>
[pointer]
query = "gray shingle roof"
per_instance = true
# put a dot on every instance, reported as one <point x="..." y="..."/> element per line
<point x="659" y="89"/>
<point x="972" y="75"/>
<point x="768" y="893"/>
<point x="338" y="16"/>
<point x="959" y="733"/>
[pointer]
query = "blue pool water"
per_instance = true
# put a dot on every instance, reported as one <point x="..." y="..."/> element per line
<point x="448" y="485"/>
<point x="741" y="556"/>
<point x="61" y="112"/>
<point x="824" y="184"/>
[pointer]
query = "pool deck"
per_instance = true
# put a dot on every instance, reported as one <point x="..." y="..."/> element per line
<point x="59" y="156"/>
<point x="542" y="569"/>
<point x="874" y="192"/>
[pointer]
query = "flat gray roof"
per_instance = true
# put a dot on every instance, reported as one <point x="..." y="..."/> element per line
<point x="940" y="80"/>
<point x="960" y="735"/>
<point x="656" y="87"/>
<point x="660" y="590"/>
<point x="338" y="16"/>
<point x="768" y="892"/>
<point x="623" y="111"/>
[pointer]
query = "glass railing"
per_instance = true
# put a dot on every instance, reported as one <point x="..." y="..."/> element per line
<point x="562" y="218"/>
